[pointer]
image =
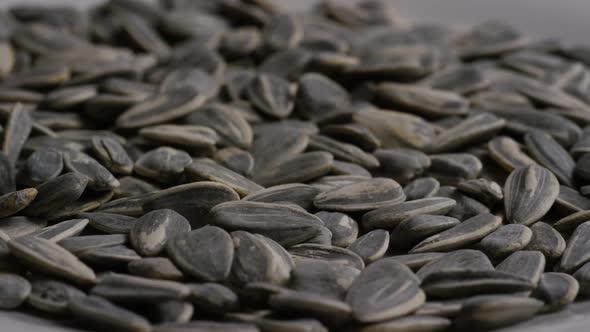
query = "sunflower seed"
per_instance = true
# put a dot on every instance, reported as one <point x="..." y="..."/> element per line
<point x="318" y="97"/>
<point x="335" y="255"/>
<point x="14" y="290"/>
<point x="128" y="289"/>
<point x="52" y="296"/>
<point x="371" y="246"/>
<point x="329" y="311"/>
<point x="14" y="227"/>
<point x="323" y="278"/>
<point x="41" y="166"/>
<point x="384" y="290"/>
<point x="62" y="230"/>
<point x="205" y="169"/>
<point x="506" y="240"/>
<point x="112" y="155"/>
<point x="412" y="230"/>
<point x="109" y="222"/>
<point x="402" y="165"/>
<point x="284" y="224"/>
<point x="343" y="228"/>
<point x="557" y="290"/>
<point x="299" y="194"/>
<point x="48" y="257"/>
<point x="155" y="267"/>
<point x="228" y="122"/>
<point x="162" y="164"/>
<point x="571" y="200"/>
<point x="14" y="202"/>
<point x="18" y="128"/>
<point x="301" y="168"/>
<point x="421" y="188"/>
<point x="508" y="154"/>
<point x="205" y="253"/>
<point x="551" y="155"/>
<point x="389" y="217"/>
<point x="78" y="244"/>
<point x="524" y="264"/>
<point x="576" y="253"/>
<point x="100" y="312"/>
<point x="150" y="233"/>
<point x="493" y="311"/>
<point x="452" y="168"/>
<point x="343" y="151"/>
<point x="459" y="284"/>
<point x="361" y="196"/>
<point x="529" y="192"/>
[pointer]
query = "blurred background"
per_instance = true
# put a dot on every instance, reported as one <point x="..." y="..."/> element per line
<point x="564" y="19"/>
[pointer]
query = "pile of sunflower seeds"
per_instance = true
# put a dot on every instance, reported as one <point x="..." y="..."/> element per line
<point x="192" y="166"/>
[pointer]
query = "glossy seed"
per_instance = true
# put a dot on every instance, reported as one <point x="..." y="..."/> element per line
<point x="526" y="264"/>
<point x="204" y="169"/>
<point x="344" y="229"/>
<point x="390" y="216"/>
<point x="576" y="253"/>
<point x="506" y="240"/>
<point x="557" y="290"/>
<point x="552" y="155"/>
<point x="547" y="240"/>
<point x="301" y="168"/>
<point x="421" y="188"/>
<point x="129" y="289"/>
<point x="371" y="246"/>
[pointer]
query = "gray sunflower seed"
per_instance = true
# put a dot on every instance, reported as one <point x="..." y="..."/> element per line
<point x="401" y="165"/>
<point x="570" y="222"/>
<point x="288" y="64"/>
<point x="396" y="129"/>
<point x="205" y="169"/>
<point x="524" y="264"/>
<point x="421" y="100"/>
<point x="96" y="311"/>
<point x="557" y="290"/>
<point x="329" y="311"/>
<point x="318" y="97"/>
<point x="421" y="188"/>
<point x="452" y="168"/>
<point x="576" y="252"/>
<point x="173" y="312"/>
<point x="471" y="130"/>
<point x="493" y="311"/>
<point x="112" y="155"/>
<point x="205" y="253"/>
<point x="335" y="255"/>
<point x="190" y="136"/>
<point x="128" y="289"/>
<point x="582" y="275"/>
<point x="323" y="278"/>
<point x="112" y="257"/>
<point x="78" y="244"/>
<point x="132" y="186"/>
<point x="13" y="227"/>
<point x="390" y="216"/>
<point x="384" y="290"/>
<point x="213" y="298"/>
<point x="343" y="228"/>
<point x="235" y="159"/>
<point x="346" y="168"/>
<point x="547" y="240"/>
<point x="99" y="178"/>
<point x="271" y="94"/>
<point x="551" y="155"/>
<point x="459" y="260"/>
<point x="459" y="79"/>
<point x="300" y="168"/>
<point x="109" y="222"/>
<point x="240" y="42"/>
<point x="195" y="78"/>
<point x="460" y="284"/>
<point x="295" y="325"/>
<point x="62" y="230"/>
<point x="156" y="268"/>
<point x="284" y="224"/>
<point x="41" y="76"/>
<point x="283" y="32"/>
<point x="507" y="152"/>
<point x="193" y="201"/>
<point x="52" y="296"/>
<point x="162" y="163"/>
<point x="324" y="237"/>
<point x="276" y="145"/>
<point x="343" y="151"/>
<point x="150" y="233"/>
<point x="417" y="228"/>
<point x="56" y="193"/>
<point x="582" y="166"/>
<point x="482" y="189"/>
<point x="467" y="232"/>
<point x="41" y="166"/>
<point x="162" y="107"/>
<point x="43" y="255"/>
<point x="416" y="261"/>
<point x="353" y="134"/>
<point x="296" y="193"/>
<point x="18" y="128"/>
<point x="258" y="259"/>
<point x="506" y="240"/>
<point x="371" y="246"/>
<point x="571" y="200"/>
<point x="227" y="121"/>
<point x="14" y="290"/>
<point x="14" y="202"/>
<point x="329" y="182"/>
<point x="529" y="192"/>
<point x="361" y="196"/>
<point x="70" y="96"/>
